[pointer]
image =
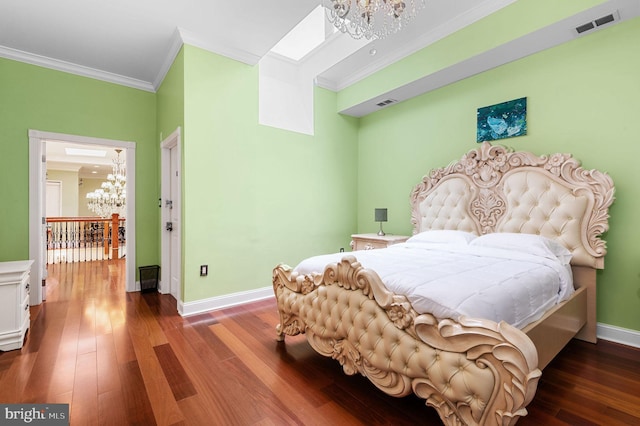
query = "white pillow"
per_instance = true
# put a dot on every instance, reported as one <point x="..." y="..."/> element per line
<point x="526" y="243"/>
<point x="443" y="236"/>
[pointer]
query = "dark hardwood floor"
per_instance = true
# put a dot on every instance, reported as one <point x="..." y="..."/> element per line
<point x="129" y="358"/>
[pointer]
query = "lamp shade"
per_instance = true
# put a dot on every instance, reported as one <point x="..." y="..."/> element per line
<point x="381" y="215"/>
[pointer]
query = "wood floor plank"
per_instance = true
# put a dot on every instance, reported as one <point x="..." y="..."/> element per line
<point x="142" y="322"/>
<point x="112" y="408"/>
<point x="196" y="410"/>
<point x="292" y="353"/>
<point x="107" y="364"/>
<point x="37" y="386"/>
<point x="164" y="310"/>
<point x="37" y="328"/>
<point x="138" y="408"/>
<point x="578" y="409"/>
<point x="87" y="332"/>
<point x="64" y="370"/>
<point x="603" y="396"/>
<point x="121" y="337"/>
<point x="6" y="360"/>
<point x="163" y="403"/>
<point x="16" y="377"/>
<point x="144" y="336"/>
<point x="291" y="366"/>
<point x="122" y="358"/>
<point x="615" y="416"/>
<point x="333" y="413"/>
<point x="85" y="396"/>
<point x="212" y="380"/>
<point x="257" y="401"/>
<point x="278" y="384"/>
<point x="178" y="379"/>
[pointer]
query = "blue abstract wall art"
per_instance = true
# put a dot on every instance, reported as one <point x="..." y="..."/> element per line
<point x="504" y="120"/>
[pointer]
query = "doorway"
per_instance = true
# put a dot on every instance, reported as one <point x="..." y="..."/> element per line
<point x="171" y="203"/>
<point x="37" y="203"/>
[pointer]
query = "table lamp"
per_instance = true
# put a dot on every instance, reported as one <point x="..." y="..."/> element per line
<point x="381" y="216"/>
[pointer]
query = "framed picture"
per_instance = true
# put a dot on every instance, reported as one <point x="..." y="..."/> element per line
<point x="504" y="120"/>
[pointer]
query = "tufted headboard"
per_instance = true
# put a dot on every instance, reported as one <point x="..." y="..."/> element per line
<point x="494" y="189"/>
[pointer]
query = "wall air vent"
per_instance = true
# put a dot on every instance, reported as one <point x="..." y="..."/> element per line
<point x="597" y="22"/>
<point x="386" y="102"/>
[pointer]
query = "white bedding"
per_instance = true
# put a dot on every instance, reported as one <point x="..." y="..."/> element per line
<point x="453" y="280"/>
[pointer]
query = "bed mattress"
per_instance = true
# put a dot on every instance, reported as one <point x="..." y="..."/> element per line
<point x="450" y="281"/>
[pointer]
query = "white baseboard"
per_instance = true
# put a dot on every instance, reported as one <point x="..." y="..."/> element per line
<point x="204" y="305"/>
<point x="621" y="335"/>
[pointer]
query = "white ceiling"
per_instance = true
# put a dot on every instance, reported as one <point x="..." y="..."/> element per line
<point x="87" y="167"/>
<point x="135" y="42"/>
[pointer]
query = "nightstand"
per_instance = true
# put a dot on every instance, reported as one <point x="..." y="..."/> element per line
<point x="375" y="241"/>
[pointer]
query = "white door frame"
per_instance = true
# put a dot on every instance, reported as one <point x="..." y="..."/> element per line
<point x="172" y="141"/>
<point x="37" y="153"/>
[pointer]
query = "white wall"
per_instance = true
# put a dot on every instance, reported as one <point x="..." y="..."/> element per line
<point x="286" y="95"/>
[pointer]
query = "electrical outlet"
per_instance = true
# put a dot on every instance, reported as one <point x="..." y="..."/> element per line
<point x="204" y="270"/>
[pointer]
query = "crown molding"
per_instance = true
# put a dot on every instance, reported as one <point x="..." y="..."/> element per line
<point x="341" y="45"/>
<point x="325" y="83"/>
<point x="218" y="48"/>
<point x="68" y="67"/>
<point x="172" y="52"/>
<point x="61" y="166"/>
<point x="178" y="38"/>
<point x="181" y="37"/>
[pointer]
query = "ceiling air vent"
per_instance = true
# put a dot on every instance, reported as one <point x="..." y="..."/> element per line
<point x="386" y="102"/>
<point x="597" y="23"/>
<point x="586" y="27"/>
<point x="605" y="20"/>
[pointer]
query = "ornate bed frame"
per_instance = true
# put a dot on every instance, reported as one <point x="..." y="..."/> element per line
<point x="472" y="371"/>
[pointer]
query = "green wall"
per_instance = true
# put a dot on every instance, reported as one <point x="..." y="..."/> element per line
<point x="255" y="196"/>
<point x="583" y="98"/>
<point x="170" y="106"/>
<point x="37" y="98"/>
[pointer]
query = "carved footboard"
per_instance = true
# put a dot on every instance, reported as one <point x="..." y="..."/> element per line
<point x="471" y="372"/>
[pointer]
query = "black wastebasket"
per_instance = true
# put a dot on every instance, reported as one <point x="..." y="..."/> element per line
<point x="149" y="276"/>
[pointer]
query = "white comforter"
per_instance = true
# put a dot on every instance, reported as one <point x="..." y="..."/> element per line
<point x="449" y="281"/>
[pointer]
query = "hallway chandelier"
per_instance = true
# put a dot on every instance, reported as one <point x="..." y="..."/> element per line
<point x="371" y="18"/>
<point x="110" y="198"/>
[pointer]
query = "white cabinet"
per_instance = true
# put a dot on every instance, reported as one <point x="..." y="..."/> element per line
<point x="14" y="303"/>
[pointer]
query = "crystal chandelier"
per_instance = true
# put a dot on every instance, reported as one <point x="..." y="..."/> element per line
<point x="371" y="18"/>
<point x="110" y="198"/>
